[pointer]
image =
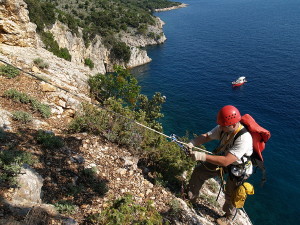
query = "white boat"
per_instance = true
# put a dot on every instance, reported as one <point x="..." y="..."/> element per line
<point x="240" y="81"/>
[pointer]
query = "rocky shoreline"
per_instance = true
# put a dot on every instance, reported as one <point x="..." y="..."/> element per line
<point x="171" y="8"/>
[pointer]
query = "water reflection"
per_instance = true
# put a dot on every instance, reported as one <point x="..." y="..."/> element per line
<point x="141" y="72"/>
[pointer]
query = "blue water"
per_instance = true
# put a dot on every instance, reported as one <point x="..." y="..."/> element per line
<point x="213" y="42"/>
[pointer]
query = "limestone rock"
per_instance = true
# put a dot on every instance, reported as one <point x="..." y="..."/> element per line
<point x="15" y="26"/>
<point x="5" y="119"/>
<point x="47" y="87"/>
<point x="30" y="186"/>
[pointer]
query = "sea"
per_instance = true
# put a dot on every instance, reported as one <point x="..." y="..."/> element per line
<point x="211" y="43"/>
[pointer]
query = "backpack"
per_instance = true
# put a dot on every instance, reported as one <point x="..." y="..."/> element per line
<point x="259" y="136"/>
<point x="239" y="196"/>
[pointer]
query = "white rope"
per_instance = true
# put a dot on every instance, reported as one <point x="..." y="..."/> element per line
<point x="203" y="150"/>
<point x="200" y="149"/>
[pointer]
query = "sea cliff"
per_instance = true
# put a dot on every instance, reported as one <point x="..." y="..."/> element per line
<point x="17" y="30"/>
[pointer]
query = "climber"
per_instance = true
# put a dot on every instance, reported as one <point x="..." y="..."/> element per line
<point x="231" y="156"/>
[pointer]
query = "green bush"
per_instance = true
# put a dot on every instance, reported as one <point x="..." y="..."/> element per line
<point x="40" y="63"/>
<point x="210" y="199"/>
<point x="17" y="96"/>
<point x="121" y="85"/>
<point x="11" y="162"/>
<point x="120" y="51"/>
<point x="124" y="87"/>
<point x="9" y="71"/>
<point x="66" y="207"/>
<point x="165" y="159"/>
<point x="74" y="190"/>
<point x="43" y="109"/>
<point x="169" y="162"/>
<point x="88" y="62"/>
<point x="175" y="209"/>
<point x="41" y="13"/>
<point x="52" y="46"/>
<point x="152" y="108"/>
<point x="126" y="211"/>
<point x="64" y="53"/>
<point x="114" y="128"/>
<point x="69" y="20"/>
<point x="22" y="116"/>
<point x="49" y="140"/>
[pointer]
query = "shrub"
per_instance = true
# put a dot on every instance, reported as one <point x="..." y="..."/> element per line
<point x="126" y="211"/>
<point x="168" y="162"/>
<point x="88" y="62"/>
<point x="89" y="120"/>
<point x="64" y="53"/>
<point x="11" y="162"/>
<point x="152" y="108"/>
<point x="9" y="71"/>
<point x="74" y="190"/>
<point x="40" y="63"/>
<point x="120" y="51"/>
<point x="17" y="96"/>
<point x="120" y="84"/>
<point x="175" y="208"/>
<point x="52" y="46"/>
<point x="210" y="199"/>
<point x="22" y="116"/>
<point x="43" y="109"/>
<point x="66" y="207"/>
<point x="142" y="29"/>
<point x="114" y="128"/>
<point x="49" y="140"/>
<point x="41" y="13"/>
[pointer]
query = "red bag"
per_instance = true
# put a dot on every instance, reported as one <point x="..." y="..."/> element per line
<point x="259" y="134"/>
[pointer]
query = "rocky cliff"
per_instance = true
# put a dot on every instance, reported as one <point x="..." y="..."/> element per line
<point x="15" y="26"/>
<point x="17" y="30"/>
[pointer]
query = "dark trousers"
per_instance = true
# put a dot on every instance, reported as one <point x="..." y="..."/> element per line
<point x="204" y="172"/>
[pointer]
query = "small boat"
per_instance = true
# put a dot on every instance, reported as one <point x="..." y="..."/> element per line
<point x="240" y="81"/>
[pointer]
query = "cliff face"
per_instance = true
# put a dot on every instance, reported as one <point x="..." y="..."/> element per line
<point x="17" y="30"/>
<point x="15" y="26"/>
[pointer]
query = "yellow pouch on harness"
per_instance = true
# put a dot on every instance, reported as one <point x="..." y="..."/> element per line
<point x="239" y="196"/>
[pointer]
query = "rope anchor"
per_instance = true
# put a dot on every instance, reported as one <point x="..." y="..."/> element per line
<point x="174" y="138"/>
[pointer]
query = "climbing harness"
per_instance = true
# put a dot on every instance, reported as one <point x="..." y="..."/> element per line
<point x="232" y="135"/>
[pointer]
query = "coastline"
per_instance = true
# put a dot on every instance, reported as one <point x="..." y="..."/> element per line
<point x="171" y="8"/>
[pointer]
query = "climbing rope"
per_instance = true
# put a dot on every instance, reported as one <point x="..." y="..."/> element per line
<point x="118" y="114"/>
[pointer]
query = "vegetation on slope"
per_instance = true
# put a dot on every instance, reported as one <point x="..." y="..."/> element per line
<point x="119" y="92"/>
<point x="96" y="17"/>
<point x="163" y="158"/>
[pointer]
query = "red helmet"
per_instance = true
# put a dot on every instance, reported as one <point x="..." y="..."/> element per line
<point x="228" y="115"/>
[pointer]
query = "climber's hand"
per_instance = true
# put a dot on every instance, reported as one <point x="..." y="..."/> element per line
<point x="198" y="156"/>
